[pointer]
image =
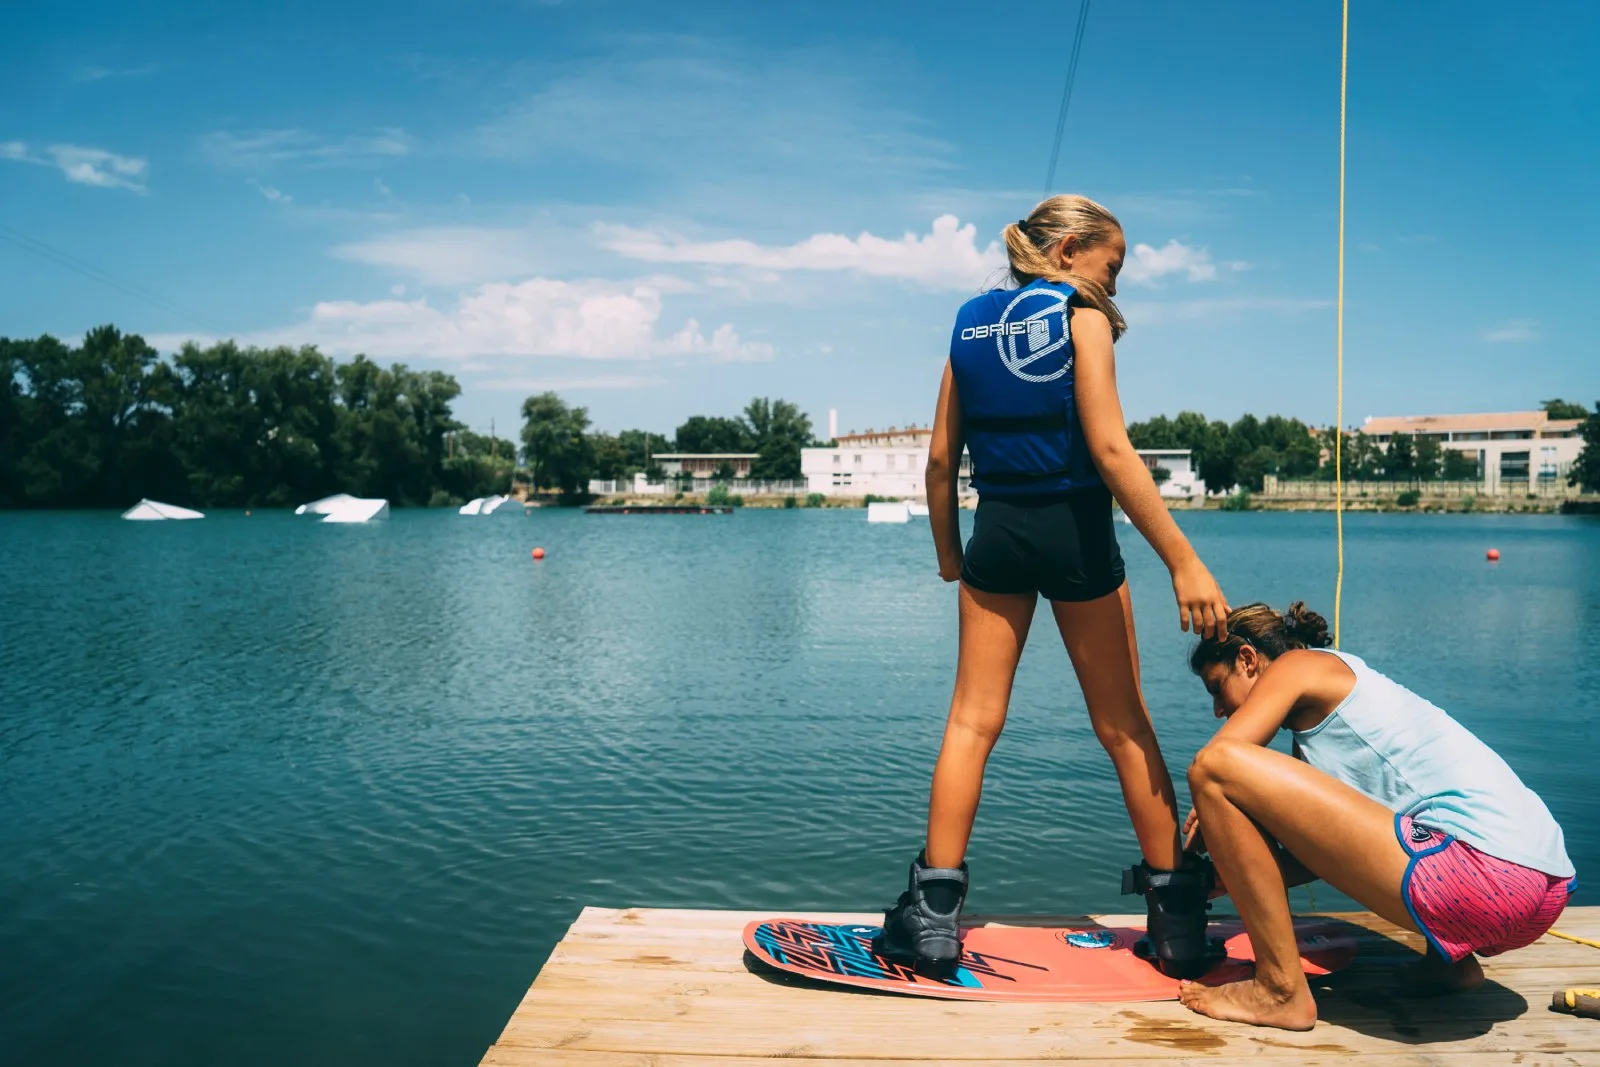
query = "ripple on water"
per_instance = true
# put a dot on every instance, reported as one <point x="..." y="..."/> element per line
<point x="329" y="794"/>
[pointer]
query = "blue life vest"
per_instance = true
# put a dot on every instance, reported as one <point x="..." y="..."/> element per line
<point x="1011" y="354"/>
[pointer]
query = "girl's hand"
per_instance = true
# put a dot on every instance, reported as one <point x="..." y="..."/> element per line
<point x="1202" y="608"/>
<point x="950" y="567"/>
<point x="1192" y="839"/>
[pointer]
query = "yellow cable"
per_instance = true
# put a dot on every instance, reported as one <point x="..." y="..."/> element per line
<point x="1338" y="424"/>
<point x="1569" y="937"/>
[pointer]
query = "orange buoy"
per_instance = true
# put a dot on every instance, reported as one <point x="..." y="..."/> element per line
<point x="1493" y="554"/>
<point x="538" y="553"/>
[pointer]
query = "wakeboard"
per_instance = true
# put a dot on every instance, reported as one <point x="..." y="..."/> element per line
<point x="1026" y="963"/>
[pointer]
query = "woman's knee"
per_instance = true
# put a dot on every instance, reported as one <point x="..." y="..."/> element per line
<point x="978" y="722"/>
<point x="1216" y="764"/>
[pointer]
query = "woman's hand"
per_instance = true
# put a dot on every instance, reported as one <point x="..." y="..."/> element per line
<point x="1202" y="608"/>
<point x="950" y="566"/>
<point x="1192" y="839"/>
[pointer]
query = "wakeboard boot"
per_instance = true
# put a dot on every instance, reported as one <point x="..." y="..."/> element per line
<point x="1176" y="903"/>
<point x="923" y="929"/>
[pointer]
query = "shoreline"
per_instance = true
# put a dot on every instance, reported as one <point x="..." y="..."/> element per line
<point x="1368" y="505"/>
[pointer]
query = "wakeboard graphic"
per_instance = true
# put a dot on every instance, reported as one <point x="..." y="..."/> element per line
<point x="1027" y="963"/>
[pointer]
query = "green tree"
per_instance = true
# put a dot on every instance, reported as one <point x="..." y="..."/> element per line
<point x="107" y="421"/>
<point x="1252" y="468"/>
<point x="555" y="443"/>
<point x="1564" y="409"/>
<point x="1208" y="443"/>
<point x="477" y="465"/>
<point x="1460" y="466"/>
<point x="702" y="433"/>
<point x="1400" y="460"/>
<point x="1367" y="459"/>
<point x="779" y="431"/>
<point x="1586" y="471"/>
<point x="1428" y="459"/>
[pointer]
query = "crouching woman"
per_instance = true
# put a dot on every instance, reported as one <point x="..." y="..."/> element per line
<point x="1390" y="801"/>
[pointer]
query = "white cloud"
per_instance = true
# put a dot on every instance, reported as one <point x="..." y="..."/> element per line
<point x="598" y="381"/>
<point x="541" y="317"/>
<point x="1145" y="264"/>
<point x="85" y="166"/>
<point x="947" y="257"/>
<point x="448" y="255"/>
<point x="262" y="149"/>
<point x="277" y="196"/>
<point x="1516" y="331"/>
<point x="383" y="190"/>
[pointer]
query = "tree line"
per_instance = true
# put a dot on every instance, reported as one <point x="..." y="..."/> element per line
<point x="107" y="421"/>
<point x="1244" y="453"/>
<point x="563" y="453"/>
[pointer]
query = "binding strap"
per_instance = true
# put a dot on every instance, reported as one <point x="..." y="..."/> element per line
<point x="1197" y="873"/>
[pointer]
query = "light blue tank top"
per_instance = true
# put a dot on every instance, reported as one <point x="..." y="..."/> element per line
<point x="1414" y="759"/>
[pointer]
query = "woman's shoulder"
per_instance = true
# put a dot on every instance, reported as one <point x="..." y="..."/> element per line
<point x="1086" y="317"/>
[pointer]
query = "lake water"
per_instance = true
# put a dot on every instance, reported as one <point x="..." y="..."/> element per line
<point x="277" y="792"/>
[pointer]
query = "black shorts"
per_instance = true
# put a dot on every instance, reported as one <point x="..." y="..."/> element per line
<point x="1061" y="546"/>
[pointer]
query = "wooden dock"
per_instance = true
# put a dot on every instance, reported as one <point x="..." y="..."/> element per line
<point x="664" y="988"/>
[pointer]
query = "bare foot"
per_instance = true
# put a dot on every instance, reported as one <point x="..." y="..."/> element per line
<point x="1252" y="1002"/>
<point x="1434" y="974"/>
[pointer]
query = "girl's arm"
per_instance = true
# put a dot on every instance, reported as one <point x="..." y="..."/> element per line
<point x="1201" y="605"/>
<point x="942" y="475"/>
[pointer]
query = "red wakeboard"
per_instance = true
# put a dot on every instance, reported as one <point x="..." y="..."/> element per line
<point x="1088" y="963"/>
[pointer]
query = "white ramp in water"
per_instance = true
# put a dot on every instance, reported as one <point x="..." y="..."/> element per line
<point x="484" y="505"/>
<point x="917" y="510"/>
<point x="888" y="511"/>
<point x="342" y="507"/>
<point x="147" y="510"/>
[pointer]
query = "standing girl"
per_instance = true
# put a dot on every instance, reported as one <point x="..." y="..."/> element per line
<point x="1030" y="391"/>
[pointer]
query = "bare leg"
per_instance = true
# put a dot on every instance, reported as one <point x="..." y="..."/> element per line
<point x="994" y="627"/>
<point x="1248" y="795"/>
<point x="1099" y="638"/>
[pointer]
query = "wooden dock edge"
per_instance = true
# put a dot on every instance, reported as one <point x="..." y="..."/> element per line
<point x="659" y="987"/>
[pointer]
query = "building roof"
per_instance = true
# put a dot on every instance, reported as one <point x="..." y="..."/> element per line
<point x="871" y="437"/>
<point x="1489" y="421"/>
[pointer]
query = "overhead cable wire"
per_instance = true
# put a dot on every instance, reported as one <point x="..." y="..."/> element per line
<point x="1066" y="94"/>
<point x="13" y="236"/>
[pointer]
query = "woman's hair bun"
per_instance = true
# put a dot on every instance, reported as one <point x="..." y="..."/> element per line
<point x="1306" y="627"/>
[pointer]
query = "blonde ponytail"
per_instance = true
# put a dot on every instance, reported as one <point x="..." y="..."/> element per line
<point x="1029" y="241"/>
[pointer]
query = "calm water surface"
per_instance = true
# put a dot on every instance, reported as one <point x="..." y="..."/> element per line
<point x="277" y="792"/>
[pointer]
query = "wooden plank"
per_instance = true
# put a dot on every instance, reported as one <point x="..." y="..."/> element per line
<point x="671" y="988"/>
<point x="507" y="1057"/>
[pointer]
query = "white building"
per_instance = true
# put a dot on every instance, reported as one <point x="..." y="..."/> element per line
<point x="1182" y="482"/>
<point x="706" y="464"/>
<point x="891" y="463"/>
<point x="881" y="463"/>
<point x="1512" y="447"/>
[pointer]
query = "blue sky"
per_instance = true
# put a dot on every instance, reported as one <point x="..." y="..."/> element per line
<point x="660" y="210"/>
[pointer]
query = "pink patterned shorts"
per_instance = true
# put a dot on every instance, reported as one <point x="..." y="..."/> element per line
<point x="1467" y="902"/>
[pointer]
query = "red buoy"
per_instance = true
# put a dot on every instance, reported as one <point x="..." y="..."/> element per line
<point x="1493" y="554"/>
<point x="538" y="553"/>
